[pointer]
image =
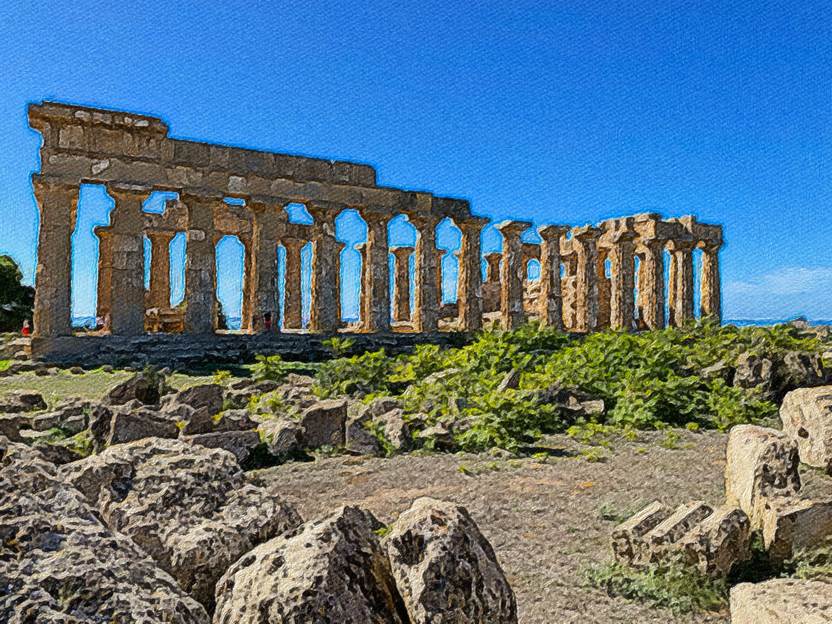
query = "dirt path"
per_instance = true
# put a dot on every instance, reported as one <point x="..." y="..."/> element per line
<point x="546" y="521"/>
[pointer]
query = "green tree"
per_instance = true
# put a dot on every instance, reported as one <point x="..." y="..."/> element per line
<point x="16" y="299"/>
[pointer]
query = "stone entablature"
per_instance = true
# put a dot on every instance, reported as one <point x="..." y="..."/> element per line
<point x="133" y="156"/>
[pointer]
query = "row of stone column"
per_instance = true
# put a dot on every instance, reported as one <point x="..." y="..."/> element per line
<point x="595" y="301"/>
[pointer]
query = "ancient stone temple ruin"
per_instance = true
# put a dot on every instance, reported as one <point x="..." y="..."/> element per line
<point x="590" y="277"/>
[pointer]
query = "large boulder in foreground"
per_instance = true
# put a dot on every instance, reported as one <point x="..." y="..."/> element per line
<point x="146" y="387"/>
<point x="807" y="419"/>
<point x="782" y="601"/>
<point x="761" y="465"/>
<point x="189" y="507"/>
<point x="60" y="564"/>
<point x="445" y="570"/>
<point x="329" y="571"/>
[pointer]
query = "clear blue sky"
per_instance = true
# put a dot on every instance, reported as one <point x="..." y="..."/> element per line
<point x="550" y="111"/>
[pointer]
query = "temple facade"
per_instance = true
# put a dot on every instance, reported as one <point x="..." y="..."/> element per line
<point x="609" y="275"/>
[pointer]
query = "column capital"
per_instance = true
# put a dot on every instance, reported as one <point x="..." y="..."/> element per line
<point x="52" y="184"/>
<point x="586" y="233"/>
<point x="512" y="228"/>
<point x="471" y="223"/>
<point x="401" y="252"/>
<point x="676" y="245"/>
<point x="709" y="246"/>
<point x="422" y="221"/>
<point x="128" y="192"/>
<point x="552" y="232"/>
<point x="159" y="234"/>
<point x="293" y="243"/>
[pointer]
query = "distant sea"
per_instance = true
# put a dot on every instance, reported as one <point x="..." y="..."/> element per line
<point x="235" y="322"/>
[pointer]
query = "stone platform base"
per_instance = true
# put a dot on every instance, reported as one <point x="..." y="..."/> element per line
<point x="184" y="350"/>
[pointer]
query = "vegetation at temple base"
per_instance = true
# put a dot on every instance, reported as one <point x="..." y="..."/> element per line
<point x="675" y="377"/>
<point x="16" y="300"/>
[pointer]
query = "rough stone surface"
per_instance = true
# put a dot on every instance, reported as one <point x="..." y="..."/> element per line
<point x="147" y="388"/>
<point x="10" y="426"/>
<point x="791" y="525"/>
<point x="445" y="570"/>
<point x="358" y="437"/>
<point x="21" y="401"/>
<point x="239" y="443"/>
<point x="329" y="571"/>
<point x="782" y="601"/>
<point x="61" y="565"/>
<point x="396" y="430"/>
<point x="627" y="538"/>
<point x="324" y="424"/>
<point x="282" y="436"/>
<point x="664" y="538"/>
<point x="761" y="464"/>
<point x="189" y="507"/>
<point x="720" y="541"/>
<point x="807" y="419"/>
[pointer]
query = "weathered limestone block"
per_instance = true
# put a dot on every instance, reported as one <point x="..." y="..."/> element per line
<point x="147" y="388"/>
<point x="395" y="429"/>
<point x="60" y="564"/>
<point x="791" y="525"/>
<point x="807" y="419"/>
<point x="445" y="569"/>
<point x="628" y="544"/>
<point x="762" y="464"/>
<point x="282" y="436"/>
<point x="239" y="443"/>
<point x="666" y="535"/>
<point x="189" y="507"/>
<point x="324" y="423"/>
<point x="358" y="436"/>
<point x="719" y="541"/>
<point x="10" y="426"/>
<point x="329" y="571"/>
<point x="129" y="425"/>
<point x="782" y="601"/>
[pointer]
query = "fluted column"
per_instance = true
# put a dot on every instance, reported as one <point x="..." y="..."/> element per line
<point x="651" y="283"/>
<point x="710" y="303"/>
<point x="401" y="283"/>
<point x="159" y="294"/>
<point x="324" y="316"/>
<point x="292" y="294"/>
<point x="585" y="244"/>
<point x="200" y="264"/>
<point x="568" y="281"/>
<point x="550" y="298"/>
<point x="622" y="265"/>
<point x="604" y="289"/>
<point x="246" y="309"/>
<point x="376" y="313"/>
<point x="426" y="312"/>
<point x="469" y="281"/>
<point x="268" y="220"/>
<point x="58" y="202"/>
<point x="681" y="305"/>
<point x="105" y="271"/>
<point x="127" y="280"/>
<point x="512" y="274"/>
<point x="492" y="269"/>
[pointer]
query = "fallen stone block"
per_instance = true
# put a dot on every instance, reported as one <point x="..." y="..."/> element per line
<point x="792" y="525"/>
<point x="187" y="506"/>
<point x="330" y="571"/>
<point x="240" y="443"/>
<point x="807" y="419"/>
<point x="21" y="401"/>
<point x="282" y="436"/>
<point x="627" y="538"/>
<point x="445" y="570"/>
<point x="10" y="426"/>
<point x="761" y="464"/>
<point x="719" y="541"/>
<point x="664" y="537"/>
<point x="395" y="429"/>
<point x="61" y="564"/>
<point x="324" y="424"/>
<point x="147" y="388"/>
<point x="782" y="601"/>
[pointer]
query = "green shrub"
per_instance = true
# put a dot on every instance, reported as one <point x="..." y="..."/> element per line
<point x="270" y="367"/>
<point x="368" y="373"/>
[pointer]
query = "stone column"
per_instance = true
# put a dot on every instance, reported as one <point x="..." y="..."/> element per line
<point x="512" y="274"/>
<point x="267" y="223"/>
<point x="651" y="283"/>
<point x="710" y="304"/>
<point x="58" y="203"/>
<point x="568" y="287"/>
<point x="426" y="312"/>
<point x="127" y="225"/>
<point x="492" y="270"/>
<point x="339" y="247"/>
<point x="292" y="294"/>
<point x="681" y="304"/>
<point x="622" y="265"/>
<point x="550" y="301"/>
<point x="604" y="289"/>
<point x="200" y="265"/>
<point x="401" y="283"/>
<point x="159" y="295"/>
<point x="246" y="311"/>
<point x="585" y="244"/>
<point x="105" y="271"/>
<point x="376" y="311"/>
<point x="469" y="278"/>
<point x="324" y="314"/>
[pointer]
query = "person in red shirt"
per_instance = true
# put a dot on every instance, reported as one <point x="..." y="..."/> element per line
<point x="27" y="330"/>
